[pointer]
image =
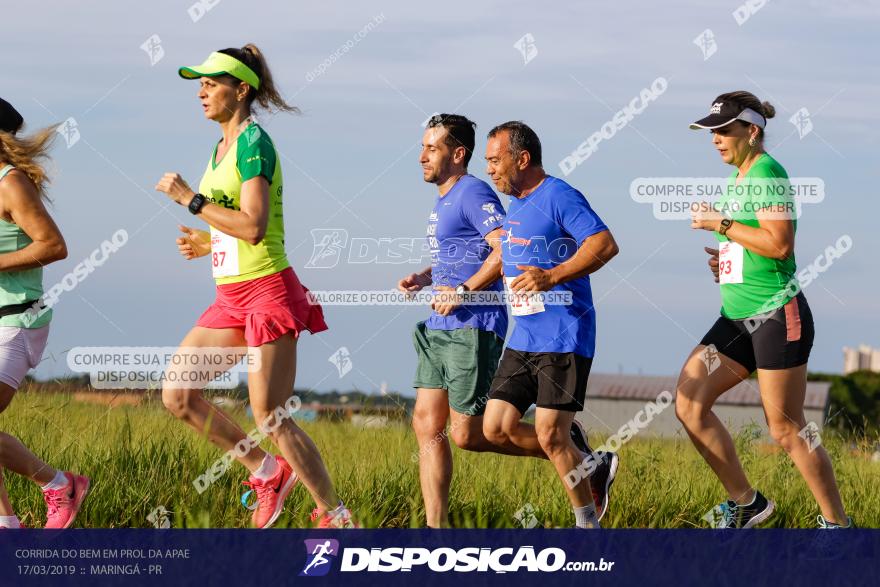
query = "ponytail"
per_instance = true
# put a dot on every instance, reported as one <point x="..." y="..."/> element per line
<point x="748" y="100"/>
<point x="267" y="97"/>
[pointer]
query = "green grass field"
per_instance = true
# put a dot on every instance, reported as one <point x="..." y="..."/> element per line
<point x="140" y="457"/>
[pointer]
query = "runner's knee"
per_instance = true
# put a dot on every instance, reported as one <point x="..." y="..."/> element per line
<point x="179" y="401"/>
<point x="427" y="424"/>
<point x="467" y="438"/>
<point x="689" y="411"/>
<point x="275" y="423"/>
<point x="785" y="434"/>
<point x="262" y="416"/>
<point x="553" y="439"/>
<point x="494" y="432"/>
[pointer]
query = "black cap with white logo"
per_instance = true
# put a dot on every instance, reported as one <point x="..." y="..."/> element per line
<point x="10" y="119"/>
<point x="723" y="112"/>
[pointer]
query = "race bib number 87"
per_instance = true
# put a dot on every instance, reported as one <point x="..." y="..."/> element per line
<point x="224" y="254"/>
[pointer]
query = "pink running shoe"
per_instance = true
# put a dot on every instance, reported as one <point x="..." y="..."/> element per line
<point x="63" y="504"/>
<point x="342" y="519"/>
<point x="271" y="494"/>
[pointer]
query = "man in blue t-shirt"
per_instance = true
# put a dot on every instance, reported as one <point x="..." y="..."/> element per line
<point x="459" y="346"/>
<point x="552" y="242"/>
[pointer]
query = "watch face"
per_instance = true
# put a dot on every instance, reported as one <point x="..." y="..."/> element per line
<point x="196" y="203"/>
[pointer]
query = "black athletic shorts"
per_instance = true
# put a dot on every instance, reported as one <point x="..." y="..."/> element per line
<point x="781" y="339"/>
<point x="550" y="380"/>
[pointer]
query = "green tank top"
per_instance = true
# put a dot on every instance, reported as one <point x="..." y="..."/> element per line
<point x="17" y="287"/>
<point x="750" y="283"/>
<point x="234" y="260"/>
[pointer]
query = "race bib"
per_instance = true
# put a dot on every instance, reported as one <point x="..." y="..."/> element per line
<point x="730" y="262"/>
<point x="524" y="303"/>
<point x="224" y="254"/>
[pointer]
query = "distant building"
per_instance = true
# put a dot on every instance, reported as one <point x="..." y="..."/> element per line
<point x="863" y="358"/>
<point x="614" y="400"/>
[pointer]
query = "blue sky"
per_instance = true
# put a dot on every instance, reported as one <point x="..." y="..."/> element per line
<point x="357" y="143"/>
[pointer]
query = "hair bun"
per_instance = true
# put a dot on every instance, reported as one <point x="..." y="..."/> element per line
<point x="769" y="110"/>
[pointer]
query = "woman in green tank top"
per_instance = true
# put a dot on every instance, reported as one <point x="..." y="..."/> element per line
<point x="260" y="308"/>
<point x="765" y="324"/>
<point x="29" y="240"/>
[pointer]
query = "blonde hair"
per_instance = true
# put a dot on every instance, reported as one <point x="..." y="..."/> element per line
<point x="28" y="154"/>
<point x="268" y="96"/>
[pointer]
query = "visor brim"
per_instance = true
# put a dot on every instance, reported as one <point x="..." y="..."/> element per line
<point x="711" y="122"/>
<point x="197" y="71"/>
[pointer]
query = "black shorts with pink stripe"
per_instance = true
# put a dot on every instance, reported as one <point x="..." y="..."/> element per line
<point x="780" y="339"/>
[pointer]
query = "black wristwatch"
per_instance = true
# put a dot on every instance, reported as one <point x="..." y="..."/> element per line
<point x="195" y="205"/>
<point x="726" y="223"/>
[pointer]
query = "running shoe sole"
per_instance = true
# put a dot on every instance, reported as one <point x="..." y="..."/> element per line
<point x="761" y="517"/>
<point x="612" y="472"/>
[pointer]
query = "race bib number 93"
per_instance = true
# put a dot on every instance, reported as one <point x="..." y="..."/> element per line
<point x="730" y="262"/>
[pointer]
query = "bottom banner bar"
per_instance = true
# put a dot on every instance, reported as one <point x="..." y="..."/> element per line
<point x="360" y="557"/>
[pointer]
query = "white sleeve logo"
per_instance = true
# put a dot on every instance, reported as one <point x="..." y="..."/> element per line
<point x="493" y="217"/>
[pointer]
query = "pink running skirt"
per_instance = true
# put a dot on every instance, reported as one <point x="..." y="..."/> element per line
<point x="265" y="308"/>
